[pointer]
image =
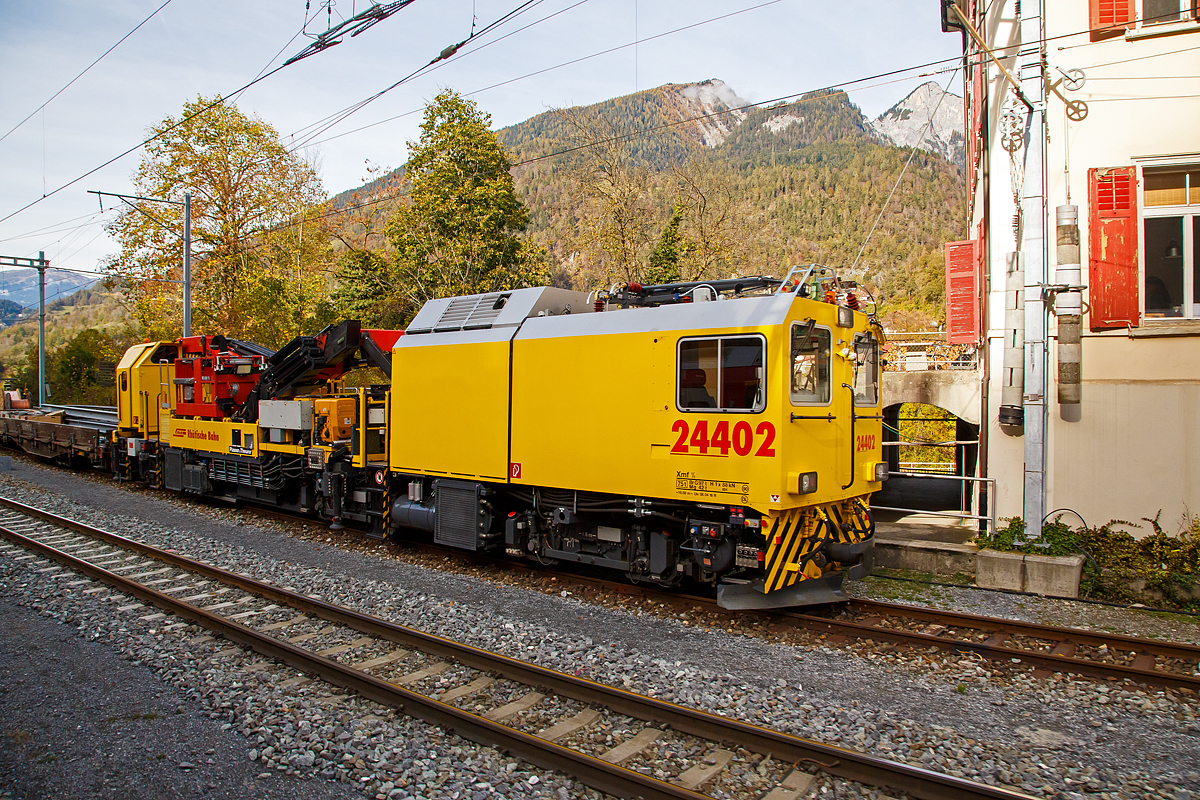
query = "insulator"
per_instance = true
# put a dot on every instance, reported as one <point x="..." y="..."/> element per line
<point x="599" y="304"/>
<point x="831" y="296"/>
<point x="852" y="300"/>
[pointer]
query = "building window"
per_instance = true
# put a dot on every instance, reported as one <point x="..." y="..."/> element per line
<point x="1108" y="18"/>
<point x="1159" y="12"/>
<point x="722" y="374"/>
<point x="1170" y="234"/>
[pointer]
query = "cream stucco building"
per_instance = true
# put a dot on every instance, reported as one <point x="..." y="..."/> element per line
<point x="1094" y="105"/>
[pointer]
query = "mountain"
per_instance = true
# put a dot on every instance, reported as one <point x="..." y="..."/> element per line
<point x="66" y="316"/>
<point x="907" y="124"/>
<point x="21" y="285"/>
<point x="663" y="125"/>
<point x="759" y="188"/>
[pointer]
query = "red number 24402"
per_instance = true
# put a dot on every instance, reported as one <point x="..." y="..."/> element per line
<point x="741" y="439"/>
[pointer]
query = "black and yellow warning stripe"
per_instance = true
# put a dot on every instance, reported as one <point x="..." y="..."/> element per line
<point x="791" y="540"/>
<point x="795" y="535"/>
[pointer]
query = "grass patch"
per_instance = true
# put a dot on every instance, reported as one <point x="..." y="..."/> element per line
<point x="18" y="737"/>
<point x="907" y="584"/>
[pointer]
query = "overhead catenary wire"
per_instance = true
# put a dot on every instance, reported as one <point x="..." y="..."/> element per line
<point x="233" y="97"/>
<point x="535" y="73"/>
<point x="261" y="77"/>
<point x="951" y="64"/>
<point x="54" y="228"/>
<point x="221" y="99"/>
<point x="900" y="177"/>
<point x="797" y="97"/>
<point x="445" y="54"/>
<point x="85" y="70"/>
<point x="958" y="60"/>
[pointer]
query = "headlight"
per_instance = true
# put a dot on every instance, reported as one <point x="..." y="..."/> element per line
<point x="881" y="471"/>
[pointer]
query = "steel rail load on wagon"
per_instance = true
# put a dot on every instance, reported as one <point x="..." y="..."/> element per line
<point x="725" y="432"/>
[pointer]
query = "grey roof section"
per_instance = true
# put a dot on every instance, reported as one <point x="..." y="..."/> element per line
<point x="741" y="312"/>
<point x="560" y="312"/>
<point x="496" y="309"/>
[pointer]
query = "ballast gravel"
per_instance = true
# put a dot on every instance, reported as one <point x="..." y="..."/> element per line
<point x="1050" y="737"/>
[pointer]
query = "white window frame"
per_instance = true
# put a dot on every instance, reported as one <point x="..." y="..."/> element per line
<point x="1191" y="309"/>
<point x="721" y="339"/>
<point x="1188" y="21"/>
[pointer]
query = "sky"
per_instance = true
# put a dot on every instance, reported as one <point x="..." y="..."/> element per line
<point x="190" y="48"/>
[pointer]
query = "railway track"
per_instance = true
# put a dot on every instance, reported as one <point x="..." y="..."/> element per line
<point x="545" y="710"/>
<point x="1105" y="656"/>
<point x="1098" y="655"/>
<point x="1048" y="649"/>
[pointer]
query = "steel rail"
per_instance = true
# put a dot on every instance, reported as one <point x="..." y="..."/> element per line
<point x="591" y="771"/>
<point x="1056" y="662"/>
<point x="599" y="774"/>
<point x="1033" y="630"/>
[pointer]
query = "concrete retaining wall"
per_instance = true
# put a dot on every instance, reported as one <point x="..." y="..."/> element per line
<point x="1054" y="576"/>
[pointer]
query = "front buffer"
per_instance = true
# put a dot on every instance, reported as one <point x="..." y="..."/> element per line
<point x="808" y="552"/>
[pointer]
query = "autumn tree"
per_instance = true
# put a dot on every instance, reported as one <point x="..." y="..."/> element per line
<point x="613" y="195"/>
<point x="260" y="255"/>
<point x="711" y="219"/>
<point x="460" y="231"/>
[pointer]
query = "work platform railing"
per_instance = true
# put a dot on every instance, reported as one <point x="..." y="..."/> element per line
<point x="924" y="351"/>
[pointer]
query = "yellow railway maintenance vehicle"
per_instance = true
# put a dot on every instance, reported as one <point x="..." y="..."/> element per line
<point x="728" y="432"/>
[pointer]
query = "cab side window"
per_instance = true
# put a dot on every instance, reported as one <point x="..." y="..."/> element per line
<point x="721" y="374"/>
<point x="866" y="371"/>
<point x="810" y="364"/>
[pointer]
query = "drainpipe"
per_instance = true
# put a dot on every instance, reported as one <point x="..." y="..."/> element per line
<point x="1068" y="307"/>
<point x="1012" y="390"/>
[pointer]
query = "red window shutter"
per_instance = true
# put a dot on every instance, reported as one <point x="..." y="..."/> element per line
<point x="980" y="272"/>
<point x="1107" y="18"/>
<point x="974" y="133"/>
<point x="962" y="292"/>
<point x="1112" y="248"/>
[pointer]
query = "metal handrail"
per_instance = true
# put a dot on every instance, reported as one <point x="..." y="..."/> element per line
<point x="967" y="442"/>
<point x="990" y="483"/>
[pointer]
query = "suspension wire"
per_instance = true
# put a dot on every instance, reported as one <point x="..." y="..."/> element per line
<point x="900" y="177"/>
<point x="85" y="69"/>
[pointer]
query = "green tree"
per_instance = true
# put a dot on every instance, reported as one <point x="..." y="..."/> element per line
<point x="79" y="371"/>
<point x="665" y="258"/>
<point x="460" y="231"/>
<point x="258" y="269"/>
<point x="76" y="373"/>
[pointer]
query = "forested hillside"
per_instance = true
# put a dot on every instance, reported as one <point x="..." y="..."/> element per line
<point x="793" y="183"/>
